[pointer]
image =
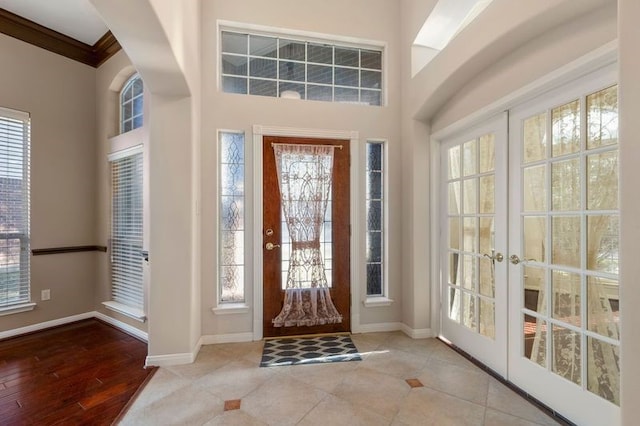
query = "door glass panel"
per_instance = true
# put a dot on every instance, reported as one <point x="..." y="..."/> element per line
<point x="535" y="339"/>
<point x="469" y="276"/>
<point x="565" y="296"/>
<point x="470" y="160"/>
<point x="454" y="162"/>
<point x="565" y="129"/>
<point x="535" y="236"/>
<point x="454" y="233"/>
<point x="486" y="235"/>
<point x="454" y="304"/>
<point x="602" y="243"/>
<point x="565" y="185"/>
<point x="535" y="138"/>
<point x="454" y="197"/>
<point x="470" y="193"/>
<point x="487" y="153"/>
<point x="602" y="181"/>
<point x="487" y="280"/>
<point x="602" y="116"/>
<point x="566" y="360"/>
<point x="535" y="289"/>
<point x="469" y="312"/>
<point x="604" y="369"/>
<point x="603" y="309"/>
<point x="487" y="318"/>
<point x="535" y="188"/>
<point x="470" y="234"/>
<point x="487" y="194"/>
<point x="565" y="240"/>
<point x="454" y="268"/>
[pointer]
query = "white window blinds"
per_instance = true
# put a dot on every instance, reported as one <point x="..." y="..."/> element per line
<point x="14" y="207"/>
<point x="126" y="229"/>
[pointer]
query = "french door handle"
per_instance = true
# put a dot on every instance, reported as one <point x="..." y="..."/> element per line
<point x="514" y="259"/>
<point x="499" y="257"/>
<point x="271" y="246"/>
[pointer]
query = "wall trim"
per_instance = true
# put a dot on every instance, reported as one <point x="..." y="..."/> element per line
<point x="44" y="325"/>
<point x="377" y="327"/>
<point x="45" y="38"/>
<point x="417" y="333"/>
<point x="142" y="335"/>
<point x="213" y="339"/>
<point x="169" y="359"/>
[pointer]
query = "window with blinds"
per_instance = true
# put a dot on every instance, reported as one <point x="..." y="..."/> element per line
<point x="14" y="207"/>
<point x="127" y="285"/>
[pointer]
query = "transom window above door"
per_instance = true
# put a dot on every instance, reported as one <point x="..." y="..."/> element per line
<point x="279" y="66"/>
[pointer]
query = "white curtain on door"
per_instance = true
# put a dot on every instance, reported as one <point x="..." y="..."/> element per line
<point x="304" y="178"/>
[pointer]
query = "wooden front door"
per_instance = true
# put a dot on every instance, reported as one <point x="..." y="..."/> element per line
<point x="334" y="240"/>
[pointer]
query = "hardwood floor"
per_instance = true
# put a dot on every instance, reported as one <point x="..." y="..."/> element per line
<point x="80" y="373"/>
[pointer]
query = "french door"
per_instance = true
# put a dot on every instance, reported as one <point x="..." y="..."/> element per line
<point x="564" y="333"/>
<point x="474" y="213"/>
<point x="334" y="240"/>
<point x="555" y="293"/>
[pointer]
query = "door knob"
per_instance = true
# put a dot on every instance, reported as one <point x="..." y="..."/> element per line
<point x="499" y="257"/>
<point x="514" y="259"/>
<point x="271" y="246"/>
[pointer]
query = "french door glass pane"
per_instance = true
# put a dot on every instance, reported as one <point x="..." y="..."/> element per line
<point x="566" y="301"/>
<point x="603" y="377"/>
<point x="565" y="185"/>
<point x="535" y="289"/>
<point x="602" y="110"/>
<point x="535" y="339"/>
<point x="535" y="188"/>
<point x="535" y="138"/>
<point x="566" y="129"/>
<point x="566" y="350"/>
<point x="602" y="181"/>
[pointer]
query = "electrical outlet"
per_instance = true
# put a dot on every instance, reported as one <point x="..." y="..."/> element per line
<point x="45" y="294"/>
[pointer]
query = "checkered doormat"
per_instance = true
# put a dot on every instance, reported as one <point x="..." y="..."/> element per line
<point x="305" y="350"/>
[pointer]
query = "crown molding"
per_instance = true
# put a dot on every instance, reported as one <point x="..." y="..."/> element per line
<point x="53" y="41"/>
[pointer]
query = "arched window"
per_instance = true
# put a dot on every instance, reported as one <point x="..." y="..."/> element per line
<point x="131" y="104"/>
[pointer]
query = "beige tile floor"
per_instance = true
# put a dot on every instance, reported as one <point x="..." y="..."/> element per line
<point x="368" y="392"/>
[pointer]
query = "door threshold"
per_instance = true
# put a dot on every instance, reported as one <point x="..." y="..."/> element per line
<point x="302" y="336"/>
<point x="546" y="409"/>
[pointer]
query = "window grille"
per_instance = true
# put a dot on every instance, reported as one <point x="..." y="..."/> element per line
<point x="131" y="103"/>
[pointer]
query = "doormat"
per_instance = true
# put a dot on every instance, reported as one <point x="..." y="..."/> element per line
<point x="309" y="350"/>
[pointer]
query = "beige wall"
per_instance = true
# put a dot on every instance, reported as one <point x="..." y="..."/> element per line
<point x="376" y="20"/>
<point x="629" y="34"/>
<point x="60" y="95"/>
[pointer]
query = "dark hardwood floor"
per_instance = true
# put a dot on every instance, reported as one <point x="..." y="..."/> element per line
<point x="80" y="373"/>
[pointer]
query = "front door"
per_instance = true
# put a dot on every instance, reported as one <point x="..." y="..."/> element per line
<point x="334" y="240"/>
<point x="474" y="242"/>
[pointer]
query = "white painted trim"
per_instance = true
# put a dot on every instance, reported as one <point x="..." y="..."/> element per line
<point x="213" y="339"/>
<point x="231" y="308"/>
<point x="170" y="359"/>
<point x="435" y="236"/>
<point x="375" y="302"/>
<point x="45" y="325"/>
<point x="378" y="327"/>
<point x="15" y="114"/>
<point x="417" y="333"/>
<point x="128" y="311"/>
<point x="258" y="132"/>
<point x="16" y="309"/>
<point x="142" y="335"/>
<point x="592" y="61"/>
<point x="127" y="152"/>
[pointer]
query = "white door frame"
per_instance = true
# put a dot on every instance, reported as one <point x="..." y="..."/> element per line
<point x="355" y="149"/>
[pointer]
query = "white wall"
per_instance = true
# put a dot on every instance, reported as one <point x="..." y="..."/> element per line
<point x="60" y="95"/>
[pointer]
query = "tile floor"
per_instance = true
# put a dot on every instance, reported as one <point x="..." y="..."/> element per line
<point x="373" y="391"/>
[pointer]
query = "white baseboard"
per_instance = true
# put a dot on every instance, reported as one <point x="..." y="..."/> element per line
<point x="170" y="359"/>
<point x="417" y="333"/>
<point x="142" y="335"/>
<point x="377" y="327"/>
<point x="213" y="339"/>
<point x="45" y="325"/>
